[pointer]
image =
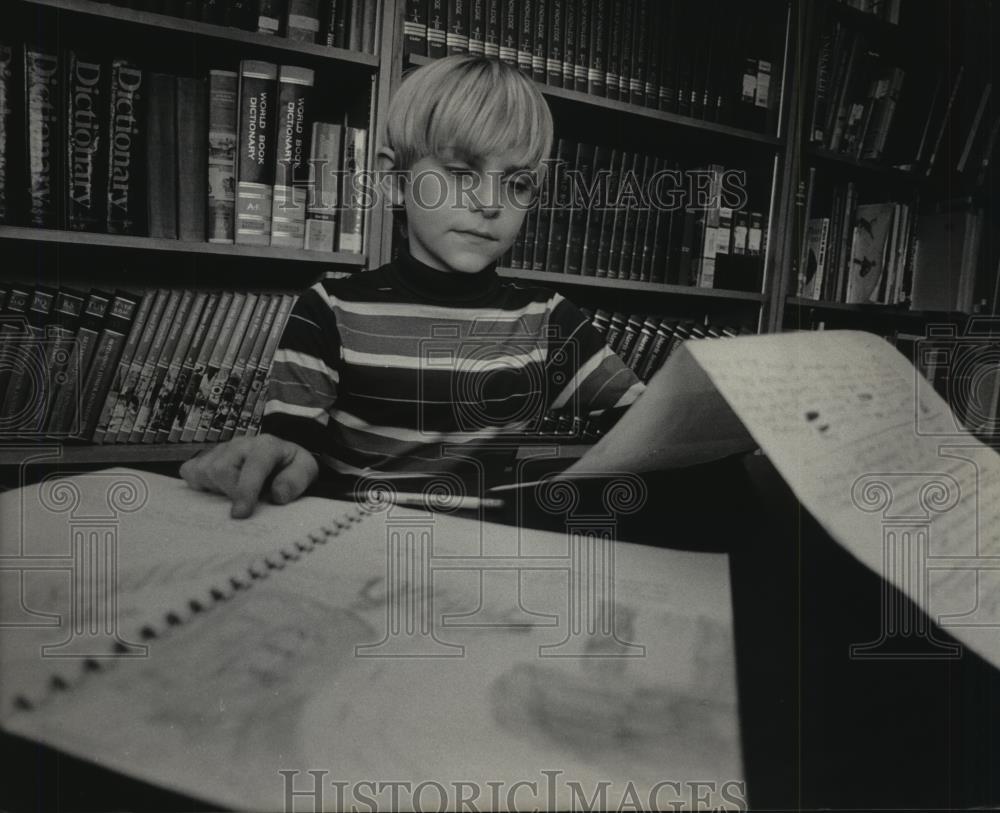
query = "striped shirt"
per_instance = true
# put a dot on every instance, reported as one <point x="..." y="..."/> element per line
<point x="404" y="368"/>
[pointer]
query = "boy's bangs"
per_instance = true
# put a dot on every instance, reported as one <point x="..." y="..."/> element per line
<point x="479" y="121"/>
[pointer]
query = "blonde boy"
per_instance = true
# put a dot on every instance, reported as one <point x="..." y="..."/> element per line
<point x="430" y="358"/>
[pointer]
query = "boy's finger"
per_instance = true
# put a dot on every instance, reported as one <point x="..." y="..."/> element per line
<point x="257" y="467"/>
<point x="294" y="478"/>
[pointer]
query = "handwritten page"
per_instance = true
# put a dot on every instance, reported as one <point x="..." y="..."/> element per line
<point x="408" y="648"/>
<point x="874" y="454"/>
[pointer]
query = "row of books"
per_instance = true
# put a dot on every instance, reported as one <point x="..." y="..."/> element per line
<point x="337" y="23"/>
<point x="717" y="61"/>
<point x="889" y="253"/>
<point x="170" y="366"/>
<point x="111" y="147"/>
<point x="862" y="252"/>
<point x="607" y="212"/>
<point x="645" y="342"/>
<point x="915" y="120"/>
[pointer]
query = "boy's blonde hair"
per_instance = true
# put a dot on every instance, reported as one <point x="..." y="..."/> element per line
<point x="474" y="104"/>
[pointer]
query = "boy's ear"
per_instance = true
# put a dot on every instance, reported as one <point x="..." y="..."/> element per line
<point x="391" y="183"/>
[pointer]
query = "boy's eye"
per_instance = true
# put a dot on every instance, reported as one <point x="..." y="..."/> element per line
<point x="460" y="171"/>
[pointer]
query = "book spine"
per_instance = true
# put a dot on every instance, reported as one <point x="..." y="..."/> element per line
<point x="554" y="48"/>
<point x="509" y="20"/>
<point x="43" y="106"/>
<point x="242" y="14"/>
<point x="255" y="166"/>
<point x="192" y="166"/>
<point x="270" y="16"/>
<point x="87" y="152"/>
<point x="640" y="47"/>
<point x="321" y="216"/>
<point x="219" y="379"/>
<point x="109" y="410"/>
<point x="121" y="324"/>
<point x="612" y="71"/>
<point x="437" y="29"/>
<point x="651" y="88"/>
<point x="65" y="401"/>
<point x="302" y="23"/>
<point x="161" y="156"/>
<point x="477" y="27"/>
<point x="60" y="334"/>
<point x="590" y="217"/>
<point x="155" y="367"/>
<point x="351" y="236"/>
<point x="126" y="182"/>
<point x="130" y="398"/>
<point x="547" y="203"/>
<point x="529" y="229"/>
<point x="221" y="161"/>
<point x="570" y="11"/>
<point x="169" y="369"/>
<point x="6" y="118"/>
<point x="234" y="378"/>
<point x="581" y="66"/>
<point x="249" y="371"/>
<point x="457" y="36"/>
<point x="415" y="28"/>
<point x="493" y="28"/>
<point x="597" y="48"/>
<point x="288" y="221"/>
<point x="629" y="337"/>
<point x="164" y="418"/>
<point x="645" y="230"/>
<point x="657" y="350"/>
<point x="525" y="35"/>
<point x="190" y="396"/>
<point x="539" y="42"/>
<point x="28" y="383"/>
<point x="555" y="249"/>
<point x="212" y="11"/>
<point x="631" y="267"/>
<point x="641" y="350"/>
<point x="257" y="400"/>
<point x="583" y="171"/>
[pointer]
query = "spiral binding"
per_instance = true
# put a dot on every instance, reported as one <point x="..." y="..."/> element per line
<point x="256" y="571"/>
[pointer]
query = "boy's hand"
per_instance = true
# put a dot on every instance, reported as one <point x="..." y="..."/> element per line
<point x="240" y="468"/>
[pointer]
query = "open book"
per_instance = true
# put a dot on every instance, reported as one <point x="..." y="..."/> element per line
<point x="403" y="657"/>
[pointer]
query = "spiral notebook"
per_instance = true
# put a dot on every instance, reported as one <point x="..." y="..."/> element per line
<point x="396" y="654"/>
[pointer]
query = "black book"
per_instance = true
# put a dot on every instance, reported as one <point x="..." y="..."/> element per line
<point x="539" y="48"/>
<point x="415" y="28"/>
<point x="581" y="66"/>
<point x="6" y="119"/>
<point x="44" y="133"/>
<point x="554" y="43"/>
<point x="87" y="150"/>
<point x="509" y="21"/>
<point x="457" y="38"/>
<point x="578" y="215"/>
<point x="599" y="21"/>
<point x="437" y="29"/>
<point x="126" y="196"/>
<point x="27" y="387"/>
<point x="615" y="22"/>
<point x="477" y="27"/>
<point x="570" y="9"/>
<point x="555" y="250"/>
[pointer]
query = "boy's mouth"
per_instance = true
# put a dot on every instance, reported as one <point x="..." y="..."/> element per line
<point x="476" y="235"/>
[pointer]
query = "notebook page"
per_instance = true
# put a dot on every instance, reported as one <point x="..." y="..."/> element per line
<point x="878" y="458"/>
<point x="88" y="562"/>
<point x="423" y="648"/>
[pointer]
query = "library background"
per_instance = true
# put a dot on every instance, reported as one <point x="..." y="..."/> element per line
<point x="140" y="274"/>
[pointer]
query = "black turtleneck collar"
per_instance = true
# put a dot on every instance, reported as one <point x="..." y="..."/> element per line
<point x="444" y="287"/>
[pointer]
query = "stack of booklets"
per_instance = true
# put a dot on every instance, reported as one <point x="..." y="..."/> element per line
<point x="170" y="366"/>
<point x="225" y="158"/>
<point x="619" y="214"/>
<point x="718" y="61"/>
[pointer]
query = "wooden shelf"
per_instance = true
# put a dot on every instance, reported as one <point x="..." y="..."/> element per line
<point x="872" y="309"/>
<point x="645" y="113"/>
<point x="113" y="454"/>
<point x="883" y="170"/>
<point x="549" y="278"/>
<point x="165" y="22"/>
<point x="153" y="244"/>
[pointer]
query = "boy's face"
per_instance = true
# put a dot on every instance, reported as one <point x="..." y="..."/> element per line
<point x="464" y="212"/>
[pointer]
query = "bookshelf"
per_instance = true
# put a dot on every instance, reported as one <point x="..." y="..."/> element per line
<point x="777" y="159"/>
<point x="919" y="93"/>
